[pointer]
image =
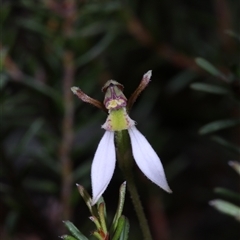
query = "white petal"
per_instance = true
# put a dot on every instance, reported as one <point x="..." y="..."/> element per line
<point x="103" y="165"/>
<point x="147" y="159"/>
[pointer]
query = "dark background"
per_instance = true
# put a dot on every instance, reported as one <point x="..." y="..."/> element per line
<point x="48" y="136"/>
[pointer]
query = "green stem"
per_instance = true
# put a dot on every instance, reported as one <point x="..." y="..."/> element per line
<point x="125" y="163"/>
<point x="138" y="206"/>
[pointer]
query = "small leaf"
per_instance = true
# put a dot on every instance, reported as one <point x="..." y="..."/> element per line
<point x="219" y="125"/>
<point x="12" y="220"/>
<point x="180" y="81"/>
<point x="209" y="88"/>
<point x="97" y="235"/>
<point x="74" y="231"/>
<point x="122" y="192"/>
<point x="91" y="30"/>
<point x="226" y="208"/>
<point x="81" y="171"/>
<point x="233" y="34"/>
<point x="102" y="214"/>
<point x="226" y="144"/>
<point x="5" y="12"/>
<point x="96" y="222"/>
<point x="209" y="67"/>
<point x="88" y="200"/>
<point x="31" y="132"/>
<point x="227" y="193"/>
<point x="42" y="88"/>
<point x="125" y="231"/>
<point x="235" y="165"/>
<point x="34" y="26"/>
<point x="40" y="185"/>
<point x="122" y="229"/>
<point x="4" y="79"/>
<point x="67" y="237"/>
<point x="95" y="51"/>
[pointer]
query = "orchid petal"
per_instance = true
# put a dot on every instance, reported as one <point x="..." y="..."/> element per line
<point x="147" y="159"/>
<point x="103" y="165"/>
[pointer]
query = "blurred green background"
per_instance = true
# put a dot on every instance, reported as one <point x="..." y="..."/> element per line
<point x="48" y="136"/>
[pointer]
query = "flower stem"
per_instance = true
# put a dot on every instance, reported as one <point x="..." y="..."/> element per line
<point x="125" y="163"/>
<point x="138" y="205"/>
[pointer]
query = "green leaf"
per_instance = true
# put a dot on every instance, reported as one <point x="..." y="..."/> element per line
<point x="226" y="208"/>
<point x="31" y="132"/>
<point x="4" y="79"/>
<point x="226" y="144"/>
<point x="125" y="231"/>
<point x="96" y="222"/>
<point x="74" y="231"/>
<point x="209" y="88"/>
<point x="88" y="200"/>
<point x="42" y="88"/>
<point x="209" y="67"/>
<point x="96" y="50"/>
<point x="4" y="12"/>
<point x="12" y="220"/>
<point x="233" y="34"/>
<point x="102" y="216"/>
<point x="103" y="7"/>
<point x="180" y="81"/>
<point x="219" y="125"/>
<point x="122" y="229"/>
<point x="92" y="29"/>
<point x="34" y="26"/>
<point x="67" y="237"/>
<point x="122" y="192"/>
<point x="235" y="165"/>
<point x="97" y="235"/>
<point x="81" y="171"/>
<point x="48" y="162"/>
<point x="227" y="193"/>
<point x="40" y="185"/>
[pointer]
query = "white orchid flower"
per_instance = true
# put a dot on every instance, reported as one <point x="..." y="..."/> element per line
<point x="105" y="157"/>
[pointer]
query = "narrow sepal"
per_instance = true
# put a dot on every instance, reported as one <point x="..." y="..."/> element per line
<point x="143" y="84"/>
<point x="85" y="98"/>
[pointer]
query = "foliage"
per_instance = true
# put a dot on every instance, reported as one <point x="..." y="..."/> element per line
<point x="119" y="227"/>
